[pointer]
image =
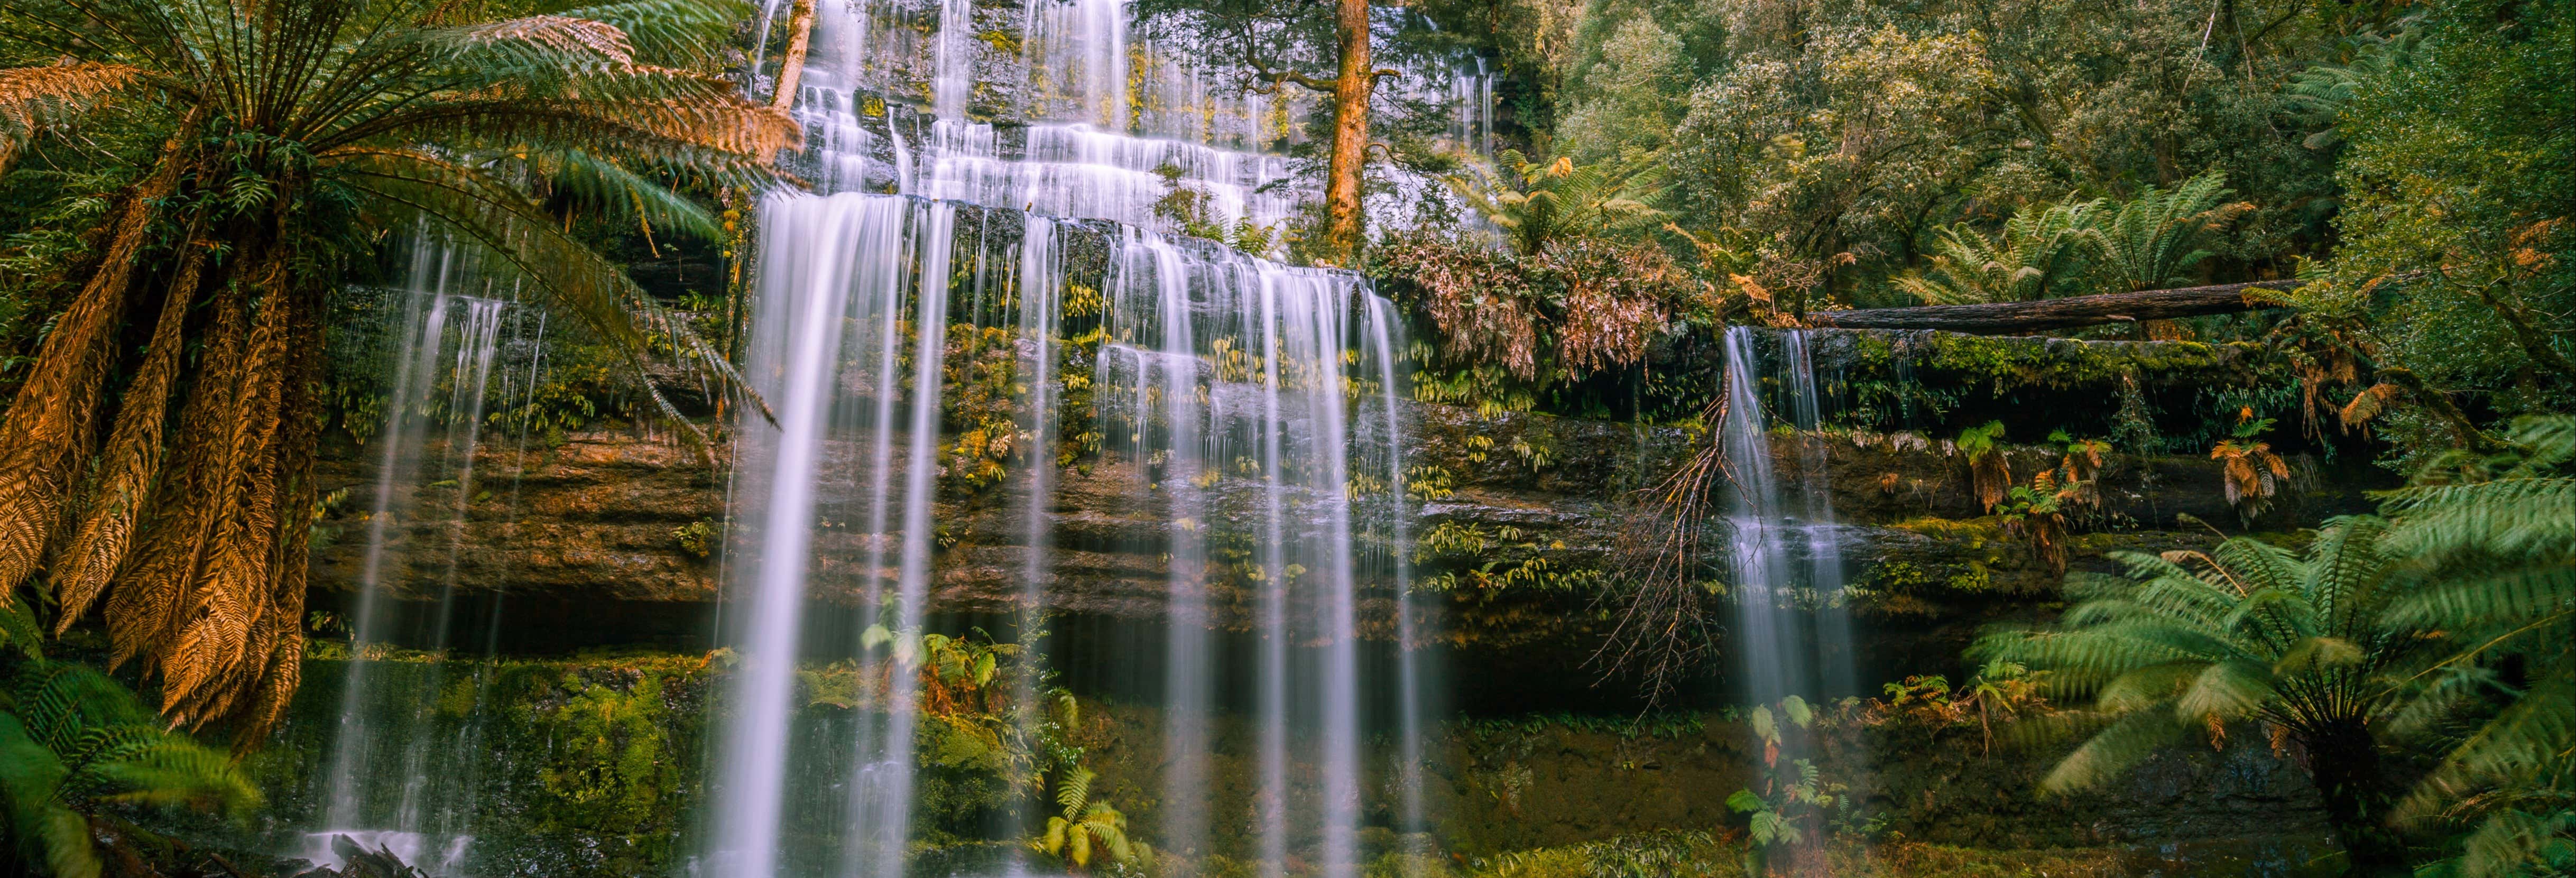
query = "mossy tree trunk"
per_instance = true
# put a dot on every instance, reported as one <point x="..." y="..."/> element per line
<point x="1353" y="85"/>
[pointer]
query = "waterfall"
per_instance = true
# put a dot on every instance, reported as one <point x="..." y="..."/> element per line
<point x="1792" y="634"/>
<point x="1471" y="111"/>
<point x="398" y="775"/>
<point x="1254" y="404"/>
<point x="830" y="263"/>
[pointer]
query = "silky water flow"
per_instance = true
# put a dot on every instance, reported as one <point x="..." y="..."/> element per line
<point x="401" y="775"/>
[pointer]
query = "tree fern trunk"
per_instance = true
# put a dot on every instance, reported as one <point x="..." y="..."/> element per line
<point x="2345" y="761"/>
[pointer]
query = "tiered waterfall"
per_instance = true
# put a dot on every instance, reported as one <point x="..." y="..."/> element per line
<point x="1255" y="403"/>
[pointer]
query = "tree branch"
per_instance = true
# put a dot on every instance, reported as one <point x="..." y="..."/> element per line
<point x="2009" y="318"/>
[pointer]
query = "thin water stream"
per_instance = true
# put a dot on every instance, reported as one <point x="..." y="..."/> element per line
<point x="399" y="775"/>
<point x="1793" y="635"/>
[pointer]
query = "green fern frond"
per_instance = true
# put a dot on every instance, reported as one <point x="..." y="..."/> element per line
<point x="2112" y="751"/>
<point x="1074" y="790"/>
<point x="2507" y="518"/>
<point x="19" y="630"/>
<point x="173" y="772"/>
<point x="2152" y="241"/>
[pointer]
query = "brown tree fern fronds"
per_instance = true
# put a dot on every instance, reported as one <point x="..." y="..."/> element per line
<point x="40" y="443"/>
<point x="132" y="459"/>
<point x="279" y="648"/>
<point x="231" y="590"/>
<point x="33" y="99"/>
<point x="152" y="585"/>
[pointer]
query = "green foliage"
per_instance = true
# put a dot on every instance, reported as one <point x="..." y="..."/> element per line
<point x="2148" y="242"/>
<point x="75" y="744"/>
<point x="2454" y="262"/>
<point x="2495" y="552"/>
<point x="2040" y="253"/>
<point x="1187" y="208"/>
<point x="1640" y="855"/>
<point x="1087" y="829"/>
<point x="1789" y="811"/>
<point x="2191" y="643"/>
<point x="700" y="537"/>
<point x="977" y="406"/>
<point x="2256" y="633"/>
<point x="2002" y="688"/>
<point x="1495" y="560"/>
<point x="1629" y="97"/>
<point x="1537" y="204"/>
<point x="611" y="769"/>
<point x="2154" y="240"/>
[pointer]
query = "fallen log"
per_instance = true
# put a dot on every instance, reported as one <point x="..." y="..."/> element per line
<point x="2022" y="318"/>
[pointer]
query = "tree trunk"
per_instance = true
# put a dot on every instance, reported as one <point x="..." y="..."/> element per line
<point x="2012" y="318"/>
<point x="2344" y="760"/>
<point x="800" y="36"/>
<point x="1351" y="90"/>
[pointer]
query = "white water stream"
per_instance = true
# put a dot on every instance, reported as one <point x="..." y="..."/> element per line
<point x="399" y="776"/>
<point x="1255" y="403"/>
<point x="1793" y="635"/>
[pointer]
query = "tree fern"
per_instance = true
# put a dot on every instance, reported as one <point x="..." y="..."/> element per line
<point x="2037" y="254"/>
<point x="1536" y="204"/>
<point x="2154" y="240"/>
<point x="2320" y="93"/>
<point x="289" y="153"/>
<point x="2496" y="563"/>
<point x="2190" y="643"/>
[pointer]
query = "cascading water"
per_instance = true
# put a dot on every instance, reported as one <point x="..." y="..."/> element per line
<point x="1256" y="403"/>
<point x="1791" y="630"/>
<point x="1230" y="381"/>
<point x="1111" y="126"/>
<point x="830" y="464"/>
<point x="1471" y="111"/>
<point x="399" y="776"/>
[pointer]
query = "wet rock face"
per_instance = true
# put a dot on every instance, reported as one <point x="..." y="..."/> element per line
<point x="1522" y="521"/>
<point x="601" y="516"/>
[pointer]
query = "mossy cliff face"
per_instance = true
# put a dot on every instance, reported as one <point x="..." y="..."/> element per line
<point x="1524" y="523"/>
<point x="596" y="767"/>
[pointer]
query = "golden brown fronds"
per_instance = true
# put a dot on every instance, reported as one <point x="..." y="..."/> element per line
<point x="149" y="590"/>
<point x="1992" y="477"/>
<point x="25" y="90"/>
<point x="705" y="117"/>
<point x="202" y="659"/>
<point x="575" y="37"/>
<point x="2252" y="473"/>
<point x="2367" y="404"/>
<point x="1479" y="301"/>
<point x="728" y="125"/>
<point x="35" y="98"/>
<point x="1617" y="301"/>
<point x="280" y="645"/>
<point x="41" y="442"/>
<point x="133" y="458"/>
